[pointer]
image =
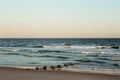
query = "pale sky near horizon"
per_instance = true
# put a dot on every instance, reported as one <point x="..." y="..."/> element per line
<point x="59" y="18"/>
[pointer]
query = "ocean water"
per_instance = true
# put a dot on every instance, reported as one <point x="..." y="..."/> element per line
<point x="95" y="54"/>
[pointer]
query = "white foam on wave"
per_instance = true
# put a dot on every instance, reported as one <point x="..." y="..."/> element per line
<point x="90" y="52"/>
<point x="35" y="51"/>
<point x="83" y="47"/>
<point x="44" y="46"/>
<point x="72" y="47"/>
<point x="87" y="52"/>
<point x="57" y="47"/>
<point x="15" y="50"/>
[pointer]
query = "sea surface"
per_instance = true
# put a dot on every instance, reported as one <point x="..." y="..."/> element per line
<point x="80" y="53"/>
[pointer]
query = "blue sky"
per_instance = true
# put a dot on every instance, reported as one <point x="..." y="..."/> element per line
<point x="60" y="18"/>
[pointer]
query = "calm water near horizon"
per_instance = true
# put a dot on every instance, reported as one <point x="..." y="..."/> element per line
<point x="82" y="52"/>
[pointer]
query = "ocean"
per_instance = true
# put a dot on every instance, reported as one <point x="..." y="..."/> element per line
<point x="98" y="54"/>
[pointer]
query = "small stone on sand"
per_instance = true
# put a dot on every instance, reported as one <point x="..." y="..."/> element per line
<point x="37" y="68"/>
<point x="44" y="67"/>
<point x="53" y="67"/>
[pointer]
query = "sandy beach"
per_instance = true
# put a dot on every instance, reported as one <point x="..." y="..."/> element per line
<point x="7" y="73"/>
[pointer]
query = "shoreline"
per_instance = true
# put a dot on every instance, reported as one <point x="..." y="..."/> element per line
<point x="83" y="70"/>
<point x="11" y="73"/>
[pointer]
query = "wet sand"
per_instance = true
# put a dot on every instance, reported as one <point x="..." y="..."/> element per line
<point x="7" y="73"/>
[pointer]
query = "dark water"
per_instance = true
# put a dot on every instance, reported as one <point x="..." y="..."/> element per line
<point x="82" y="53"/>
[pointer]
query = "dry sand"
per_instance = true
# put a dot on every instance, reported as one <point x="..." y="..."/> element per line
<point x="7" y="73"/>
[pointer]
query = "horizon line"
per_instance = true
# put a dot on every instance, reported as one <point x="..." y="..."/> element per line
<point x="60" y="38"/>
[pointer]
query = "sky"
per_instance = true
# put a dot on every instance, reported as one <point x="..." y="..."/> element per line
<point x="59" y="18"/>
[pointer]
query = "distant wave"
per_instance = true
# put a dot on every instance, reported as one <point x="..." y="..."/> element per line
<point x="47" y="56"/>
<point x="72" y="47"/>
<point x="9" y="50"/>
<point x="73" y="51"/>
<point x="79" y="47"/>
<point x="46" y="51"/>
<point x="110" y="59"/>
<point x="9" y="53"/>
<point x="54" y="51"/>
<point x="61" y="46"/>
